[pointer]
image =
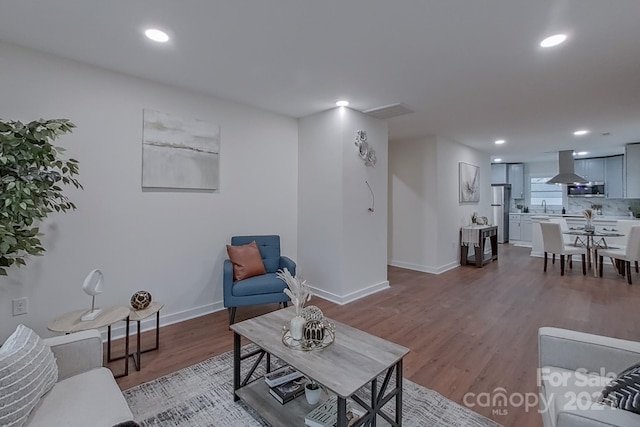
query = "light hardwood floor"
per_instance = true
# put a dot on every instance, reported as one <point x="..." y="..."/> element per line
<point x="470" y="330"/>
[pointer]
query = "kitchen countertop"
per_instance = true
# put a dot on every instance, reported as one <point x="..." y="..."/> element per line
<point x="579" y="216"/>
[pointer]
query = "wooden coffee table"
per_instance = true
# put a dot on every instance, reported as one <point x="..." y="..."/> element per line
<point x="353" y="361"/>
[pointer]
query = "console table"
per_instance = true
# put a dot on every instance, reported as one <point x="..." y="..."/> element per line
<point x="477" y="235"/>
<point x="71" y="322"/>
<point x="354" y="360"/>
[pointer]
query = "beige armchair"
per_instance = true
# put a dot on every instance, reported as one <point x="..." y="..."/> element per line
<point x="86" y="393"/>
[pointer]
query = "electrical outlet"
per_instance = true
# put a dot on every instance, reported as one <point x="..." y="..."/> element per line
<point x="20" y="306"/>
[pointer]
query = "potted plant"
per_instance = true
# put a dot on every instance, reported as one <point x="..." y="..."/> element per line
<point x="312" y="392"/>
<point x="31" y="172"/>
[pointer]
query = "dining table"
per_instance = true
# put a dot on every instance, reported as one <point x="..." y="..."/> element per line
<point x="592" y="240"/>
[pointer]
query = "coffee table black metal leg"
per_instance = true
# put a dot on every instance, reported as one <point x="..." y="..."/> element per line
<point x="342" y="412"/>
<point x="109" y="343"/>
<point x="399" y="395"/>
<point x="374" y="401"/>
<point x="236" y="365"/>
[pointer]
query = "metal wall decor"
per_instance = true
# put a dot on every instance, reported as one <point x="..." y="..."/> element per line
<point x="367" y="153"/>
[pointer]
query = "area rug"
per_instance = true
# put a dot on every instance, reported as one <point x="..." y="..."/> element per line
<point x="201" y="396"/>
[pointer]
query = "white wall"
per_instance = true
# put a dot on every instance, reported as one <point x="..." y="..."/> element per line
<point x="342" y="246"/>
<point x="413" y="213"/>
<point x="425" y="214"/>
<point x="171" y="243"/>
<point x="365" y="233"/>
<point x="320" y="226"/>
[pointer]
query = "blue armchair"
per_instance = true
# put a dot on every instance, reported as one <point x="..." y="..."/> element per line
<point x="262" y="289"/>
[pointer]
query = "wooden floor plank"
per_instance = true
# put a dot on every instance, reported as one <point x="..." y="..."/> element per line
<point x="470" y="330"/>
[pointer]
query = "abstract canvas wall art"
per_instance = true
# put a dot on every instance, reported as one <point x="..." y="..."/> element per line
<point x="469" y="183"/>
<point x="179" y="152"/>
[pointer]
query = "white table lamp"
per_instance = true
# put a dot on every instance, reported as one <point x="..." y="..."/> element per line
<point x="92" y="286"/>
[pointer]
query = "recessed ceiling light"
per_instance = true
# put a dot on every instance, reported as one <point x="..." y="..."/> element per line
<point x="497" y="160"/>
<point x="581" y="132"/>
<point x="582" y="153"/>
<point x="553" y="40"/>
<point x="156" y="35"/>
<point x="342" y="103"/>
<point x="500" y="141"/>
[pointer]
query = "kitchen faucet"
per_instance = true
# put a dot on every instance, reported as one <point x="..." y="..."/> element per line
<point x="544" y="205"/>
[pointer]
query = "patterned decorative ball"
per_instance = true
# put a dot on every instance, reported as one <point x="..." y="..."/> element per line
<point x="311" y="312"/>
<point x="140" y="300"/>
<point x="314" y="330"/>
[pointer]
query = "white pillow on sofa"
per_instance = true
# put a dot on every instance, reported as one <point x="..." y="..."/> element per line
<point x="28" y="370"/>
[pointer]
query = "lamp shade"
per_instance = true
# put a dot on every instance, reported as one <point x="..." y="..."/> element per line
<point x="93" y="283"/>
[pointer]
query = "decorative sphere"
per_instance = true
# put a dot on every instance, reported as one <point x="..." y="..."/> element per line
<point x="311" y="312"/>
<point x="140" y="300"/>
<point x="314" y="330"/>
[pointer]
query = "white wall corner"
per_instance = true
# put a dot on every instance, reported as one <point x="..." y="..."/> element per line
<point x="353" y="296"/>
<point x="425" y="268"/>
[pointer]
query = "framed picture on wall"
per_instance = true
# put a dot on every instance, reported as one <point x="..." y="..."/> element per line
<point x="469" y="183"/>
<point x="179" y="152"/>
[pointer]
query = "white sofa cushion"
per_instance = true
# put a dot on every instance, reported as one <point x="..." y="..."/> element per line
<point x="27" y="371"/>
<point x="87" y="399"/>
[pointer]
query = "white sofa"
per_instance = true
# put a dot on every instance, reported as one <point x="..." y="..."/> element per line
<point x="86" y="393"/>
<point x="574" y="369"/>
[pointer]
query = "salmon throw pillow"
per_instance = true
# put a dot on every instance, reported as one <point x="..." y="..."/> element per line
<point x="246" y="261"/>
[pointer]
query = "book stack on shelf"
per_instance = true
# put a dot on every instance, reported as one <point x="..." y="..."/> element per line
<point x="285" y="384"/>
<point x="326" y="414"/>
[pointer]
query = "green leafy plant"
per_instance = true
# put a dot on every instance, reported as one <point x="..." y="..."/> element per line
<point x="312" y="384"/>
<point x="31" y="171"/>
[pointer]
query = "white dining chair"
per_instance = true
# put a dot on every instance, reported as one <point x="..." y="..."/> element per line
<point x="624" y="227"/>
<point x="568" y="239"/>
<point x="624" y="257"/>
<point x="553" y="243"/>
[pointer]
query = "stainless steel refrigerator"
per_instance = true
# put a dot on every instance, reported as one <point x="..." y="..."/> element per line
<point x="500" y="198"/>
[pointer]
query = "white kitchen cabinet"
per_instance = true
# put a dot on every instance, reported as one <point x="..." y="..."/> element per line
<point x="613" y="177"/>
<point x="499" y="173"/>
<point x="590" y="169"/>
<point x="515" y="175"/>
<point x="632" y="171"/>
<point x="525" y="228"/>
<point x="515" y="221"/>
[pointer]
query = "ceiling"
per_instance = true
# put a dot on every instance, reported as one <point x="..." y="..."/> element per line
<point x="471" y="71"/>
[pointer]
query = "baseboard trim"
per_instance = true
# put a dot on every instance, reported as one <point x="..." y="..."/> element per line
<point x="353" y="296"/>
<point x="424" y="268"/>
<point x="165" y="320"/>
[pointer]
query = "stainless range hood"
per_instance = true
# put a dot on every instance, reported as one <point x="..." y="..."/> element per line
<point x="567" y="174"/>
